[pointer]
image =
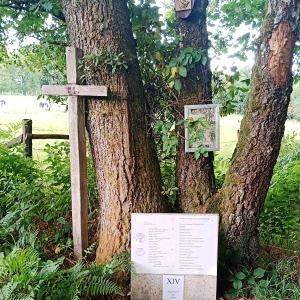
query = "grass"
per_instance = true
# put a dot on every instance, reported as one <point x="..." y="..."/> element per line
<point x="231" y="124"/>
<point x="18" y="108"/>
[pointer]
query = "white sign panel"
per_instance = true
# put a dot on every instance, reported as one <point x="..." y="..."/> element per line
<point x="175" y="243"/>
<point x="173" y="287"/>
<point x="210" y="113"/>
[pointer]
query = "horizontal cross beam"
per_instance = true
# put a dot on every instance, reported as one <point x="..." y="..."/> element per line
<point x="74" y="90"/>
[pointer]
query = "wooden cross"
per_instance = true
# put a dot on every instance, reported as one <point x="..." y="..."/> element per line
<point x="76" y="109"/>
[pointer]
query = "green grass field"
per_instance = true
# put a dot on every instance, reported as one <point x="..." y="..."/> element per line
<point x="18" y="108"/>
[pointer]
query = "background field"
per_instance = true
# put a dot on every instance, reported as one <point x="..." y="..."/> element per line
<point x="18" y="108"/>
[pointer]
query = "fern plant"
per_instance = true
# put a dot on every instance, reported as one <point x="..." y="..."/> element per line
<point x="24" y="276"/>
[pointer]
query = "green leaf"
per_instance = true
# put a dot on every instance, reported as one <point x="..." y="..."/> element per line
<point x="251" y="279"/>
<point x="61" y="220"/>
<point x="47" y="6"/>
<point x="197" y="154"/>
<point x="173" y="63"/>
<point x="180" y="122"/>
<point x="199" y="134"/>
<point x="237" y="284"/>
<point x="182" y="71"/>
<point x="259" y="273"/>
<point x="240" y="275"/>
<point x="246" y="271"/>
<point x="203" y="60"/>
<point x="233" y="293"/>
<point x="177" y="85"/>
<point x="264" y="283"/>
<point x="197" y="56"/>
<point x="204" y="153"/>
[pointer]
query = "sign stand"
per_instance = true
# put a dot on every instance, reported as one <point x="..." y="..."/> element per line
<point x="76" y="109"/>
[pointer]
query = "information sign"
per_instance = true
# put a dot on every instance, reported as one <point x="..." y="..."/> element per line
<point x="175" y="243"/>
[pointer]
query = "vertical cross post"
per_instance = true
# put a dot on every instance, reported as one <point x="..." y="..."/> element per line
<point x="78" y="157"/>
<point x="76" y="109"/>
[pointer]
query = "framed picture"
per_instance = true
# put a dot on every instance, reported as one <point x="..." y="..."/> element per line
<point x="210" y="114"/>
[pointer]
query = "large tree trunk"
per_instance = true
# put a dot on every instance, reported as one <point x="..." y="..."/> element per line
<point x="127" y="170"/>
<point x="195" y="178"/>
<point x="242" y="196"/>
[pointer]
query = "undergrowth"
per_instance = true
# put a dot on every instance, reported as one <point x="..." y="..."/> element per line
<point x="36" y="259"/>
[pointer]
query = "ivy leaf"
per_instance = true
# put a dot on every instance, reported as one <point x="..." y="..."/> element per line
<point x="182" y="71"/>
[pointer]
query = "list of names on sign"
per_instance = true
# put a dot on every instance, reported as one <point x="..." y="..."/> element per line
<point x="151" y="254"/>
<point x="175" y="243"/>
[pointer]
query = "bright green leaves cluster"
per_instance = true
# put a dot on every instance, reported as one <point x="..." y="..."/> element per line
<point x="234" y="13"/>
<point x="100" y="59"/>
<point x="242" y="282"/>
<point x="41" y="5"/>
<point x="170" y="139"/>
<point x="264" y="284"/>
<point x="231" y="92"/>
<point x="195" y="129"/>
<point x="179" y="66"/>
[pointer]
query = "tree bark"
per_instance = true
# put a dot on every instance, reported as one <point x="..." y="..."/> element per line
<point x="194" y="178"/>
<point x="241" y="199"/>
<point x="127" y="169"/>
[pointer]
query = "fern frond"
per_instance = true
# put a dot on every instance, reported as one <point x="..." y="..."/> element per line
<point x="95" y="285"/>
<point x="121" y="263"/>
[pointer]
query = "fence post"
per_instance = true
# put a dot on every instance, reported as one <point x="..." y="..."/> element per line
<point x="27" y="128"/>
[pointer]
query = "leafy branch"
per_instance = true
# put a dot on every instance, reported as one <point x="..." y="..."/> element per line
<point x="92" y="62"/>
<point x="179" y="66"/>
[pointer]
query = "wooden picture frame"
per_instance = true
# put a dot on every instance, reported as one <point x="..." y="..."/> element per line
<point x="211" y="141"/>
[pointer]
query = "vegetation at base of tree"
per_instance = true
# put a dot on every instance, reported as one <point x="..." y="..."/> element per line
<point x="35" y="229"/>
<point x="24" y="275"/>
<point x="280" y="281"/>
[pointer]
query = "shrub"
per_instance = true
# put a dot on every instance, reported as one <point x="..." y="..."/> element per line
<point x="280" y="218"/>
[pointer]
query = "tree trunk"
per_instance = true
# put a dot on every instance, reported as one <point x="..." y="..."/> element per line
<point x="195" y="178"/>
<point x="242" y="196"/>
<point x="127" y="170"/>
